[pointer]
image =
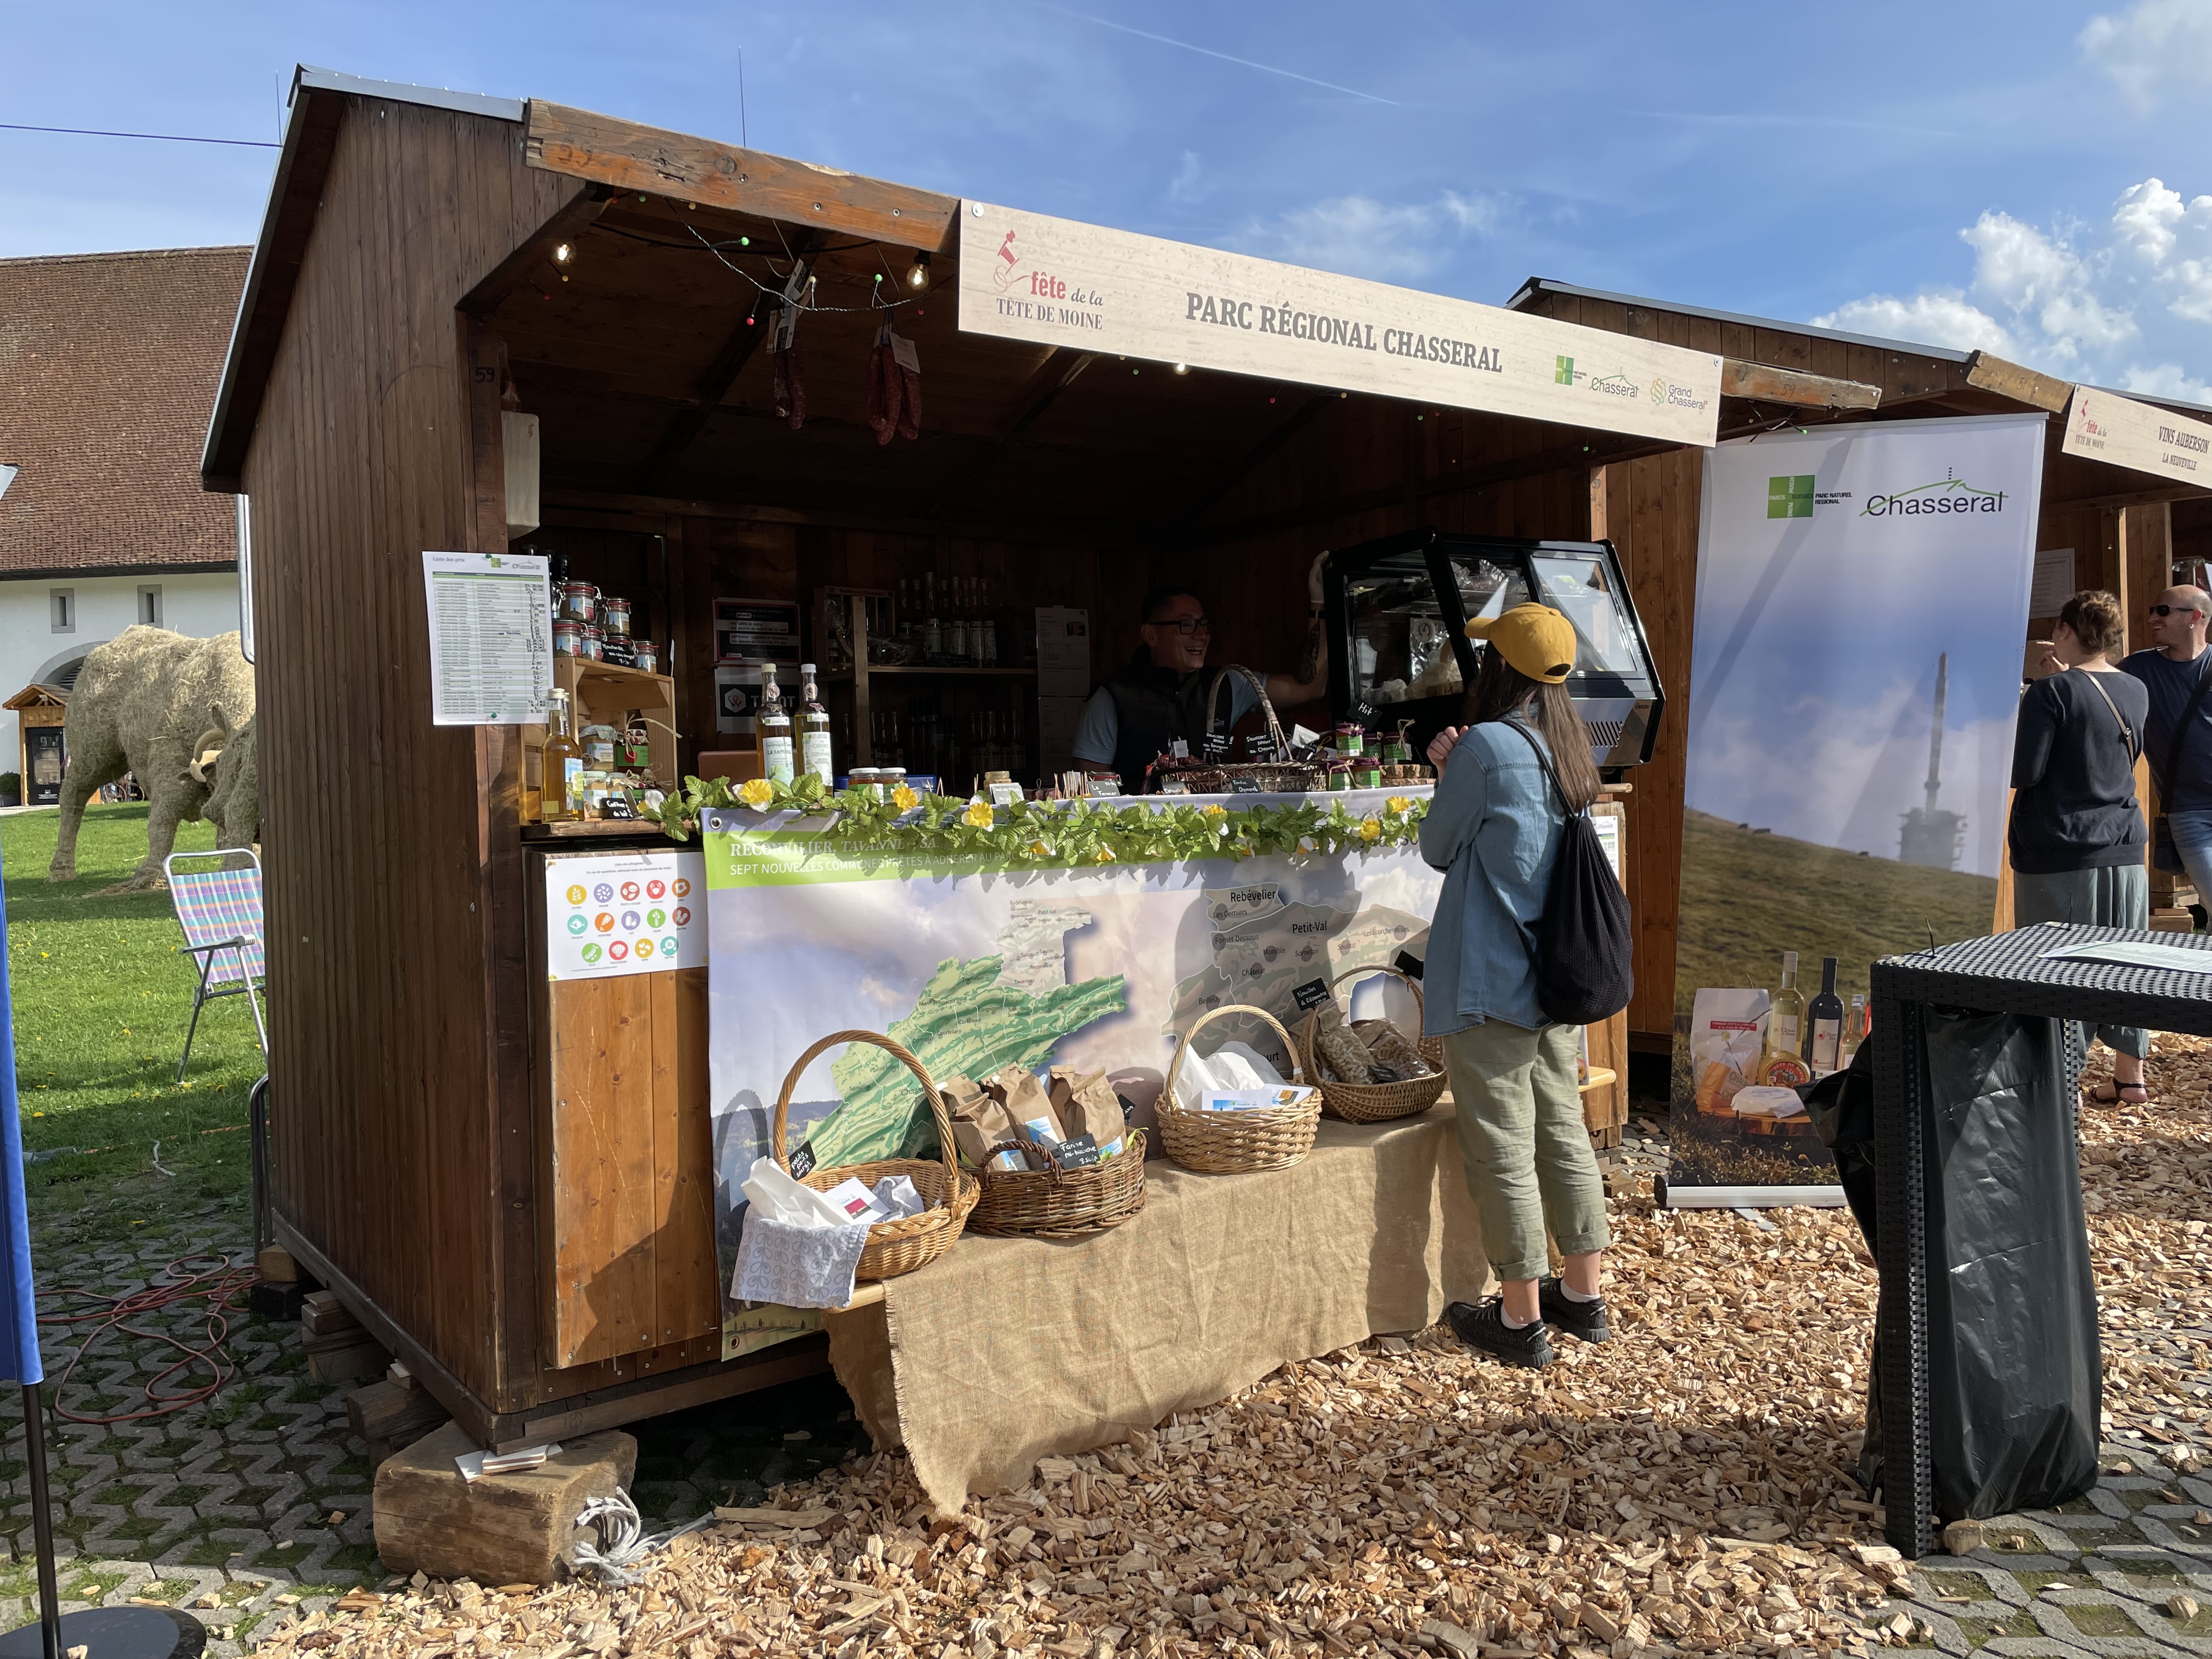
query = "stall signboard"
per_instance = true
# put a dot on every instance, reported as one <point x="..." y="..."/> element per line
<point x="491" y="638"/>
<point x="2103" y="426"/>
<point x="974" y="965"/>
<point x="611" y="914"/>
<point x="1056" y="281"/>
<point x="1863" y="590"/>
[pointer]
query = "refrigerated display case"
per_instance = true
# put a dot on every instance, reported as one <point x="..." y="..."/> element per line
<point x="1398" y="610"/>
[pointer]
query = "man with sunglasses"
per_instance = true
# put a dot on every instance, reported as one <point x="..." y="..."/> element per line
<point x="2178" y="737"/>
<point x="1163" y="693"/>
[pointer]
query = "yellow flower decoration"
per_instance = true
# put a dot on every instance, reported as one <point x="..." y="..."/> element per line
<point x="904" y="799"/>
<point x="1400" y="803"/>
<point x="1102" y="855"/>
<point x="978" y="814"/>
<point x="1370" y="829"/>
<point x="1214" y="809"/>
<point x="757" y="792"/>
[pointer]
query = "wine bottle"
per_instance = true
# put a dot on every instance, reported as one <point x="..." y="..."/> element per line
<point x="1826" y="1015"/>
<point x="814" y="729"/>
<point x="1785" y="1025"/>
<point x="775" y="729"/>
<point x="932" y="630"/>
<point x="563" y="760"/>
<point x="1854" y="1031"/>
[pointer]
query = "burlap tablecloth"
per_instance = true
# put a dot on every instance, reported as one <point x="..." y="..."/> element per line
<point x="1006" y="1350"/>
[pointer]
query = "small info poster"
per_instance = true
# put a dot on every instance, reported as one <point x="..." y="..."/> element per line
<point x="625" y="913"/>
<point x="491" y="638"/>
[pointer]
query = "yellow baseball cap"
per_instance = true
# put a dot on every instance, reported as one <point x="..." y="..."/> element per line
<point x="1535" y="639"/>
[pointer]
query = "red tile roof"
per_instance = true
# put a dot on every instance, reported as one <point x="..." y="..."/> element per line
<point x="108" y="365"/>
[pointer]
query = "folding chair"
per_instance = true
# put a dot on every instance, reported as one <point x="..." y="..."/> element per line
<point x="219" y="910"/>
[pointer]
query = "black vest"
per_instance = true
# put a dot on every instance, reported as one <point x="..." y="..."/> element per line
<point x="1152" y="707"/>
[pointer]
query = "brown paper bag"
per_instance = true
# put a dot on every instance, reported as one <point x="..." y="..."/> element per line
<point x="1016" y="1090"/>
<point x="1087" y="1105"/>
<point x="980" y="1122"/>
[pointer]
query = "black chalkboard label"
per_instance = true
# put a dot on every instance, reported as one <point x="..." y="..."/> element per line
<point x="1216" y="745"/>
<point x="1077" y="1152"/>
<point x="1311" y="994"/>
<point x="1243" y="785"/>
<point x="802" y="1161"/>
<point x="1260" y="746"/>
<point x="618" y="806"/>
<point x="1363" y="713"/>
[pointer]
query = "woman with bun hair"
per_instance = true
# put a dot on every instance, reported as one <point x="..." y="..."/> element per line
<point x="2077" y="838"/>
<point x="1495" y="828"/>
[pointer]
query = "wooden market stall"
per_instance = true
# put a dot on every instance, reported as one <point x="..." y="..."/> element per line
<point x="41" y="712"/>
<point x="2130" y="533"/>
<point x="535" y="1241"/>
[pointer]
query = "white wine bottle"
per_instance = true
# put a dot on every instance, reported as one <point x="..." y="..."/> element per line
<point x="775" y="729"/>
<point x="814" y="729"/>
<point x="1785" y="1025"/>
<point x="1854" y="1031"/>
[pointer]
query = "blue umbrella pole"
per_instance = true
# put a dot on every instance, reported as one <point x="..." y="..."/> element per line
<point x="42" y="1521"/>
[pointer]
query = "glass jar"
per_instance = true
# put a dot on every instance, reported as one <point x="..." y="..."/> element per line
<point x="591" y="644"/>
<point x="614" y="614"/>
<point x="646" y="659"/>
<point x="567" y="636"/>
<point x="1351" y="740"/>
<point x="580" y="601"/>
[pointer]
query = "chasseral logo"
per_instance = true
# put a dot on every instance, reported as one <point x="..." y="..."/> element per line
<point x="1789" y="496"/>
<point x="1949" y="494"/>
<point x="1615" y="385"/>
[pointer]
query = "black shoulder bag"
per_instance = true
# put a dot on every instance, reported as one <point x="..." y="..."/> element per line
<point x="2163" y="853"/>
<point x="1584" y="950"/>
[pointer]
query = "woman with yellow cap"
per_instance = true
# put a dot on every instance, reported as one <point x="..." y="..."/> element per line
<point x="1494" y="828"/>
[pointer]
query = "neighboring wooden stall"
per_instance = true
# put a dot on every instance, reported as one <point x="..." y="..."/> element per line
<point x="40" y="712"/>
<point x="2123" y="525"/>
<point x="510" y="1188"/>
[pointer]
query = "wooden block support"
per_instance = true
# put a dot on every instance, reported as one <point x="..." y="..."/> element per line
<point x="323" y="1314"/>
<point x="503" y="1529"/>
<point x="349" y="1364"/>
<point x="388" y="1418"/>
<point x="275" y="1263"/>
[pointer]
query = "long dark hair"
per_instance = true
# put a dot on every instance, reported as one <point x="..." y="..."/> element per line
<point x="1501" y="690"/>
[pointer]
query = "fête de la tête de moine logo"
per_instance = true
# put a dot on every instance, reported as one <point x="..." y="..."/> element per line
<point x="1030" y="290"/>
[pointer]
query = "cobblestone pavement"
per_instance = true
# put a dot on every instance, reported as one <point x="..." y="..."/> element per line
<point x="253" y="1506"/>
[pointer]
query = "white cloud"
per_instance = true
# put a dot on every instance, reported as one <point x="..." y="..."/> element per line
<point x="1362" y="237"/>
<point x="1186" y="186"/>
<point x="2128" y="301"/>
<point x="2156" y="47"/>
<point x="2165" y="380"/>
<point x="1941" y="316"/>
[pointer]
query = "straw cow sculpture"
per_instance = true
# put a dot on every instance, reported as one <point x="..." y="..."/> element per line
<point x="143" y="704"/>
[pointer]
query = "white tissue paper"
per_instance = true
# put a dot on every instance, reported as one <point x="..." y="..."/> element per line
<point x="897" y="1196"/>
<point x="775" y="1194"/>
<point x="1262" y="1070"/>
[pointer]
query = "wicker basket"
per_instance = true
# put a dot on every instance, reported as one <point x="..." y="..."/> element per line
<point x="1373" y="1102"/>
<point x="1237" y="1143"/>
<point x="1057" y="1203"/>
<point x="900" y="1246"/>
<point x="1280" y="776"/>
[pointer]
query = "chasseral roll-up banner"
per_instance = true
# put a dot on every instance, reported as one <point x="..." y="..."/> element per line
<point x="1862" y="592"/>
<point x="2103" y="426"/>
<point x="1028" y="276"/>
<point x="973" y="965"/>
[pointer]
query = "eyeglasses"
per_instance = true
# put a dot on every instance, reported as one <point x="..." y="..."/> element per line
<point x="2168" y="610"/>
<point x="1186" y="626"/>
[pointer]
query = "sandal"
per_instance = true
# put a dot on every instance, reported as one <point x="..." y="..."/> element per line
<point x="2119" y="1097"/>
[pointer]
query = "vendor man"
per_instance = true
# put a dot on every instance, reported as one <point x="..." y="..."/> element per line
<point x="1164" y="692"/>
<point x="2178" y="735"/>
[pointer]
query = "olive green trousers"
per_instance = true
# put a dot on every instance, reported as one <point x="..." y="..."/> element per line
<point x="1521" y="1138"/>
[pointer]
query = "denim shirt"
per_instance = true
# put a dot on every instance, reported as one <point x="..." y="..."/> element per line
<point x="1494" y="828"/>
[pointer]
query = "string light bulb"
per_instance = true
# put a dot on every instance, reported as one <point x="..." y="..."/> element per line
<point x="1183" y="368"/>
<point x="564" y="255"/>
<point x="917" y="274"/>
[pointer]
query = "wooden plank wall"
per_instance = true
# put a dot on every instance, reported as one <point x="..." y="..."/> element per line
<point x="379" y="854"/>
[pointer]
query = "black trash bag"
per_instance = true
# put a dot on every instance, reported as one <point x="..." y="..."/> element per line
<point x="1841" y="1106"/>
<point x="2015" y="1375"/>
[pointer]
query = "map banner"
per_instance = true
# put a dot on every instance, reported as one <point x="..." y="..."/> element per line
<point x="973" y="965"/>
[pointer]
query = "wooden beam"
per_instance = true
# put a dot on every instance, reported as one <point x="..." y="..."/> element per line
<point x="1770" y="385"/>
<point x="2022" y="386"/>
<point x="1058" y="370"/>
<point x="2125" y="498"/>
<point x="578" y="213"/>
<point x="720" y="374"/>
<point x="655" y="163"/>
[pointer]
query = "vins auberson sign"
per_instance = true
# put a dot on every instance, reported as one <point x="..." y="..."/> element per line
<point x="1026" y="276"/>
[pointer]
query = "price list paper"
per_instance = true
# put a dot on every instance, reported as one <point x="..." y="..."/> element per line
<point x="491" y="638"/>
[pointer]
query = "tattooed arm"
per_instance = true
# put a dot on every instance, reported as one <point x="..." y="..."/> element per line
<point x="1311" y="680"/>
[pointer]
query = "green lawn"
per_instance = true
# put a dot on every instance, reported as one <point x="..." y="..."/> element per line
<point x="102" y="992"/>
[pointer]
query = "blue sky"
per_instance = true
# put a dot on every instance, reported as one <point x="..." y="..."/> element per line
<point x="2029" y="177"/>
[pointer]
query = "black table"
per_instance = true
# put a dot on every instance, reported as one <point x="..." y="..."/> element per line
<point x="2002" y="973"/>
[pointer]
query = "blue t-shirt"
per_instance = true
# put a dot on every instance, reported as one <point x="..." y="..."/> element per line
<point x="1099" y="731"/>
<point x="2170" y="685"/>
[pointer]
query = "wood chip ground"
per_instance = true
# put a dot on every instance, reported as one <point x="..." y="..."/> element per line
<point x="1683" y="1489"/>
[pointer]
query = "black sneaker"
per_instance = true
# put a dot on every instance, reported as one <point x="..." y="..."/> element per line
<point x="1484" y="1329"/>
<point x="1585" y="1321"/>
